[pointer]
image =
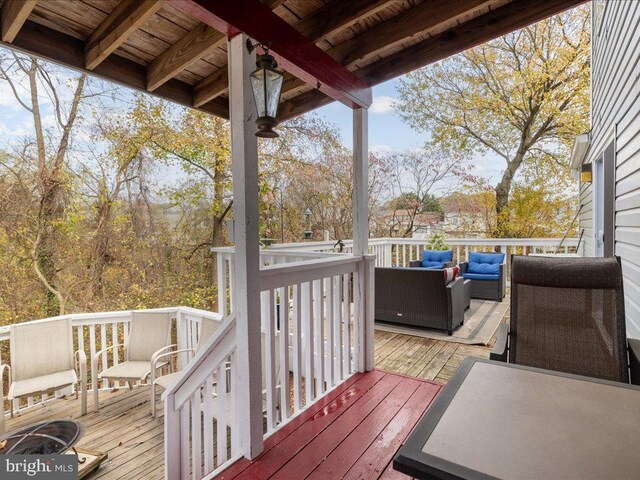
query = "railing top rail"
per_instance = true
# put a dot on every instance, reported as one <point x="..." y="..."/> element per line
<point x="301" y="253"/>
<point x="276" y="276"/>
<point x="299" y="247"/>
<point x="112" y="316"/>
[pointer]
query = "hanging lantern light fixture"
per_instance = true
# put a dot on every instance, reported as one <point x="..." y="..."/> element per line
<point x="266" y="84"/>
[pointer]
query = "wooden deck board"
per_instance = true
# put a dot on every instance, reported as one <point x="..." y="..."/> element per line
<point x="123" y="428"/>
<point x="356" y="435"/>
<point x="435" y="360"/>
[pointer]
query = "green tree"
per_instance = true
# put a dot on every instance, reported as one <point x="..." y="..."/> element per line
<point x="523" y="96"/>
<point x="431" y="203"/>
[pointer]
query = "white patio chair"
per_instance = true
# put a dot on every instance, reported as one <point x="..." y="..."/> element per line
<point x="43" y="362"/>
<point x="207" y="328"/>
<point x="149" y="335"/>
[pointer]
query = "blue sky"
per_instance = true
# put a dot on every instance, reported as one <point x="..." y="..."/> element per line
<point x="388" y="133"/>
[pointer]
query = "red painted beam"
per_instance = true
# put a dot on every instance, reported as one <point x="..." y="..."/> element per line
<point x="294" y="52"/>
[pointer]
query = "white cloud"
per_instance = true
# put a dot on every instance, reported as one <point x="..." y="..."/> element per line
<point x="382" y="104"/>
<point x="381" y="149"/>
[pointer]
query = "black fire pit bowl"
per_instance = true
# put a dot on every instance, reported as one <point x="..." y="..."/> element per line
<point x="44" y="438"/>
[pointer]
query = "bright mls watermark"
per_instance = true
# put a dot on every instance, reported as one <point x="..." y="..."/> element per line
<point x="45" y="467"/>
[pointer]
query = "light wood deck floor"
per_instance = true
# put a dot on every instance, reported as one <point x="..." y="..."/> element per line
<point x="425" y="358"/>
<point x="123" y="428"/>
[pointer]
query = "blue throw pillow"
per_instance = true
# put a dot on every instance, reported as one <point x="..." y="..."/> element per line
<point x="486" y="263"/>
<point x="436" y="256"/>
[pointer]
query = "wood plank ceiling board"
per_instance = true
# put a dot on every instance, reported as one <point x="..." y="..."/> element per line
<point x="184" y="59"/>
<point x="497" y="22"/>
<point x="52" y="45"/>
<point x="78" y="22"/>
<point x="104" y="5"/>
<point x="182" y="54"/>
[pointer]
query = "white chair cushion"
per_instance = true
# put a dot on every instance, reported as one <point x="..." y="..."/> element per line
<point x="45" y="383"/>
<point x="166" y="380"/>
<point x="134" y="370"/>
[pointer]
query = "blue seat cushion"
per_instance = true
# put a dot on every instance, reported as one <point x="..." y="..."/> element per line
<point x="485" y="263"/>
<point x="482" y="276"/>
<point x="436" y="258"/>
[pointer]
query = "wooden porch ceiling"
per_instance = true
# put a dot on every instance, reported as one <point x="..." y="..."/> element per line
<point x="158" y="46"/>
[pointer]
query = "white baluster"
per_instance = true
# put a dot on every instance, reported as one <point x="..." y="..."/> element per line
<point x="318" y="303"/>
<point x="285" y="398"/>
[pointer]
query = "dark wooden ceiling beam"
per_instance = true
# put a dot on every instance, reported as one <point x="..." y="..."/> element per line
<point x="14" y="14"/>
<point x="48" y="44"/>
<point x="416" y="20"/>
<point x="498" y="22"/>
<point x="331" y="18"/>
<point x="303" y="103"/>
<point x="117" y="27"/>
<point x="211" y="86"/>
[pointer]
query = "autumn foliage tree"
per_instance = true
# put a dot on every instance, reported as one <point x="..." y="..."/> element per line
<point x="417" y="177"/>
<point x="38" y="171"/>
<point x="522" y="97"/>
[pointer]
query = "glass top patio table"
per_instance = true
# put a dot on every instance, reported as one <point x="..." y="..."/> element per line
<point x="498" y="420"/>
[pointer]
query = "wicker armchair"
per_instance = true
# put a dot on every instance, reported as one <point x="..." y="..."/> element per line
<point x="419" y="297"/>
<point x="487" y="289"/>
<point x="567" y="315"/>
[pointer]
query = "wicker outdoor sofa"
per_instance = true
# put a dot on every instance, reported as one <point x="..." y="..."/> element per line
<point x="419" y="298"/>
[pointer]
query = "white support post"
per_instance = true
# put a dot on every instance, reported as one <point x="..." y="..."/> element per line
<point x="244" y="155"/>
<point x="364" y="294"/>
<point x="360" y="182"/>
<point x="369" y="292"/>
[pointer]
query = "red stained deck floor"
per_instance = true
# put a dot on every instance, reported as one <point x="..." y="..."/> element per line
<point x="352" y="433"/>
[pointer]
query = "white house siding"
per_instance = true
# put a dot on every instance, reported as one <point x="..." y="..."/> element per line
<point x="615" y="115"/>
<point x="586" y="218"/>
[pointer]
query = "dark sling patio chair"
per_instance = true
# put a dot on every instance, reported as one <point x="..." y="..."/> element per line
<point x="567" y="315"/>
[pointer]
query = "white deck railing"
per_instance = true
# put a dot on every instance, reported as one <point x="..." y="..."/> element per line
<point x="93" y="332"/>
<point x="399" y="251"/>
<point x="199" y="409"/>
<point x="388" y="252"/>
<point x="312" y="337"/>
